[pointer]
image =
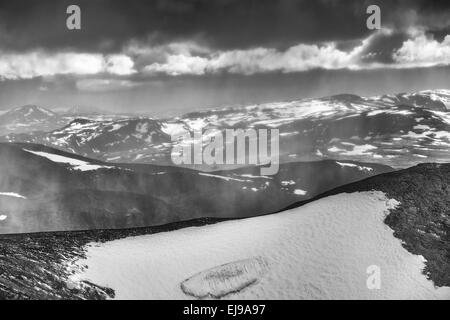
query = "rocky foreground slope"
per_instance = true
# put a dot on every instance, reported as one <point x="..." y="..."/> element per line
<point x="42" y="265"/>
<point x="38" y="265"/>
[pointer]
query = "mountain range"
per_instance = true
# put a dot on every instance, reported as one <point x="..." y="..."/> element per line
<point x="396" y="130"/>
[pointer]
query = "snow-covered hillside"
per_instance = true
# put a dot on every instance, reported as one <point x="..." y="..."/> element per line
<point x="322" y="250"/>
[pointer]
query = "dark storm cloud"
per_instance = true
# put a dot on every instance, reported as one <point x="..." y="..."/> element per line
<point x="155" y="53"/>
<point x="222" y="24"/>
<point x="382" y="46"/>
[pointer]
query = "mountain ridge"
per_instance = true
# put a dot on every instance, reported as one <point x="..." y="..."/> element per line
<point x="396" y="130"/>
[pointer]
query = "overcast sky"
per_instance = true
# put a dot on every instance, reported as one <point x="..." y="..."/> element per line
<point x="172" y="56"/>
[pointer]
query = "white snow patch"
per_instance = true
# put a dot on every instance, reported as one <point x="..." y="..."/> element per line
<point x="256" y="177"/>
<point x="444" y="116"/>
<point x="47" y="112"/>
<point x="75" y="163"/>
<point x="197" y="124"/>
<point x="300" y="192"/>
<point x="360" y="150"/>
<point x="117" y="126"/>
<point x="318" y="251"/>
<point x="12" y="194"/>
<point x="361" y="168"/>
<point x="287" y="134"/>
<point x="389" y="111"/>
<point x="336" y="149"/>
<point x="375" y="112"/>
<point x="3" y="217"/>
<point x="422" y="127"/>
<point x="357" y="150"/>
<point x="174" y="128"/>
<point x="113" y="158"/>
<point x="220" y="177"/>
<point x="442" y="134"/>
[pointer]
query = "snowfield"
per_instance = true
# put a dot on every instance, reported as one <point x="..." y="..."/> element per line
<point x="322" y="250"/>
<point x="352" y="165"/>
<point x="300" y="192"/>
<point x="12" y="194"/>
<point x="74" y="163"/>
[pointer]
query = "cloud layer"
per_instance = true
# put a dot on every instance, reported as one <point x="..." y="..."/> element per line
<point x="190" y="58"/>
<point x="423" y="51"/>
<point x="125" y="44"/>
<point x="42" y="64"/>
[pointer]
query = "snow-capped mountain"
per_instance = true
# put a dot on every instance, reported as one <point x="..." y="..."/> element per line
<point x="122" y="140"/>
<point x="432" y="99"/>
<point x="38" y="120"/>
<point x="397" y="130"/>
<point x="29" y="118"/>
<point x="26" y="113"/>
<point x="329" y="248"/>
<point x="44" y="189"/>
<point x="140" y="140"/>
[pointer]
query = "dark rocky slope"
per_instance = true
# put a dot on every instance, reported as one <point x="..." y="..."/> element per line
<point x="37" y="266"/>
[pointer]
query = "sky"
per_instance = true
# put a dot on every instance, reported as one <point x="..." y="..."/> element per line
<point x="169" y="57"/>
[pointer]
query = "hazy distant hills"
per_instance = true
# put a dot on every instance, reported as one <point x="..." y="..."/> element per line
<point x="397" y="130"/>
<point x="43" y="189"/>
<point x="29" y="118"/>
<point x="35" y="119"/>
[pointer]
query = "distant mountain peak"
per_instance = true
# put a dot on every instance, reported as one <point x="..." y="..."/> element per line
<point x="31" y="109"/>
<point x="25" y="116"/>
